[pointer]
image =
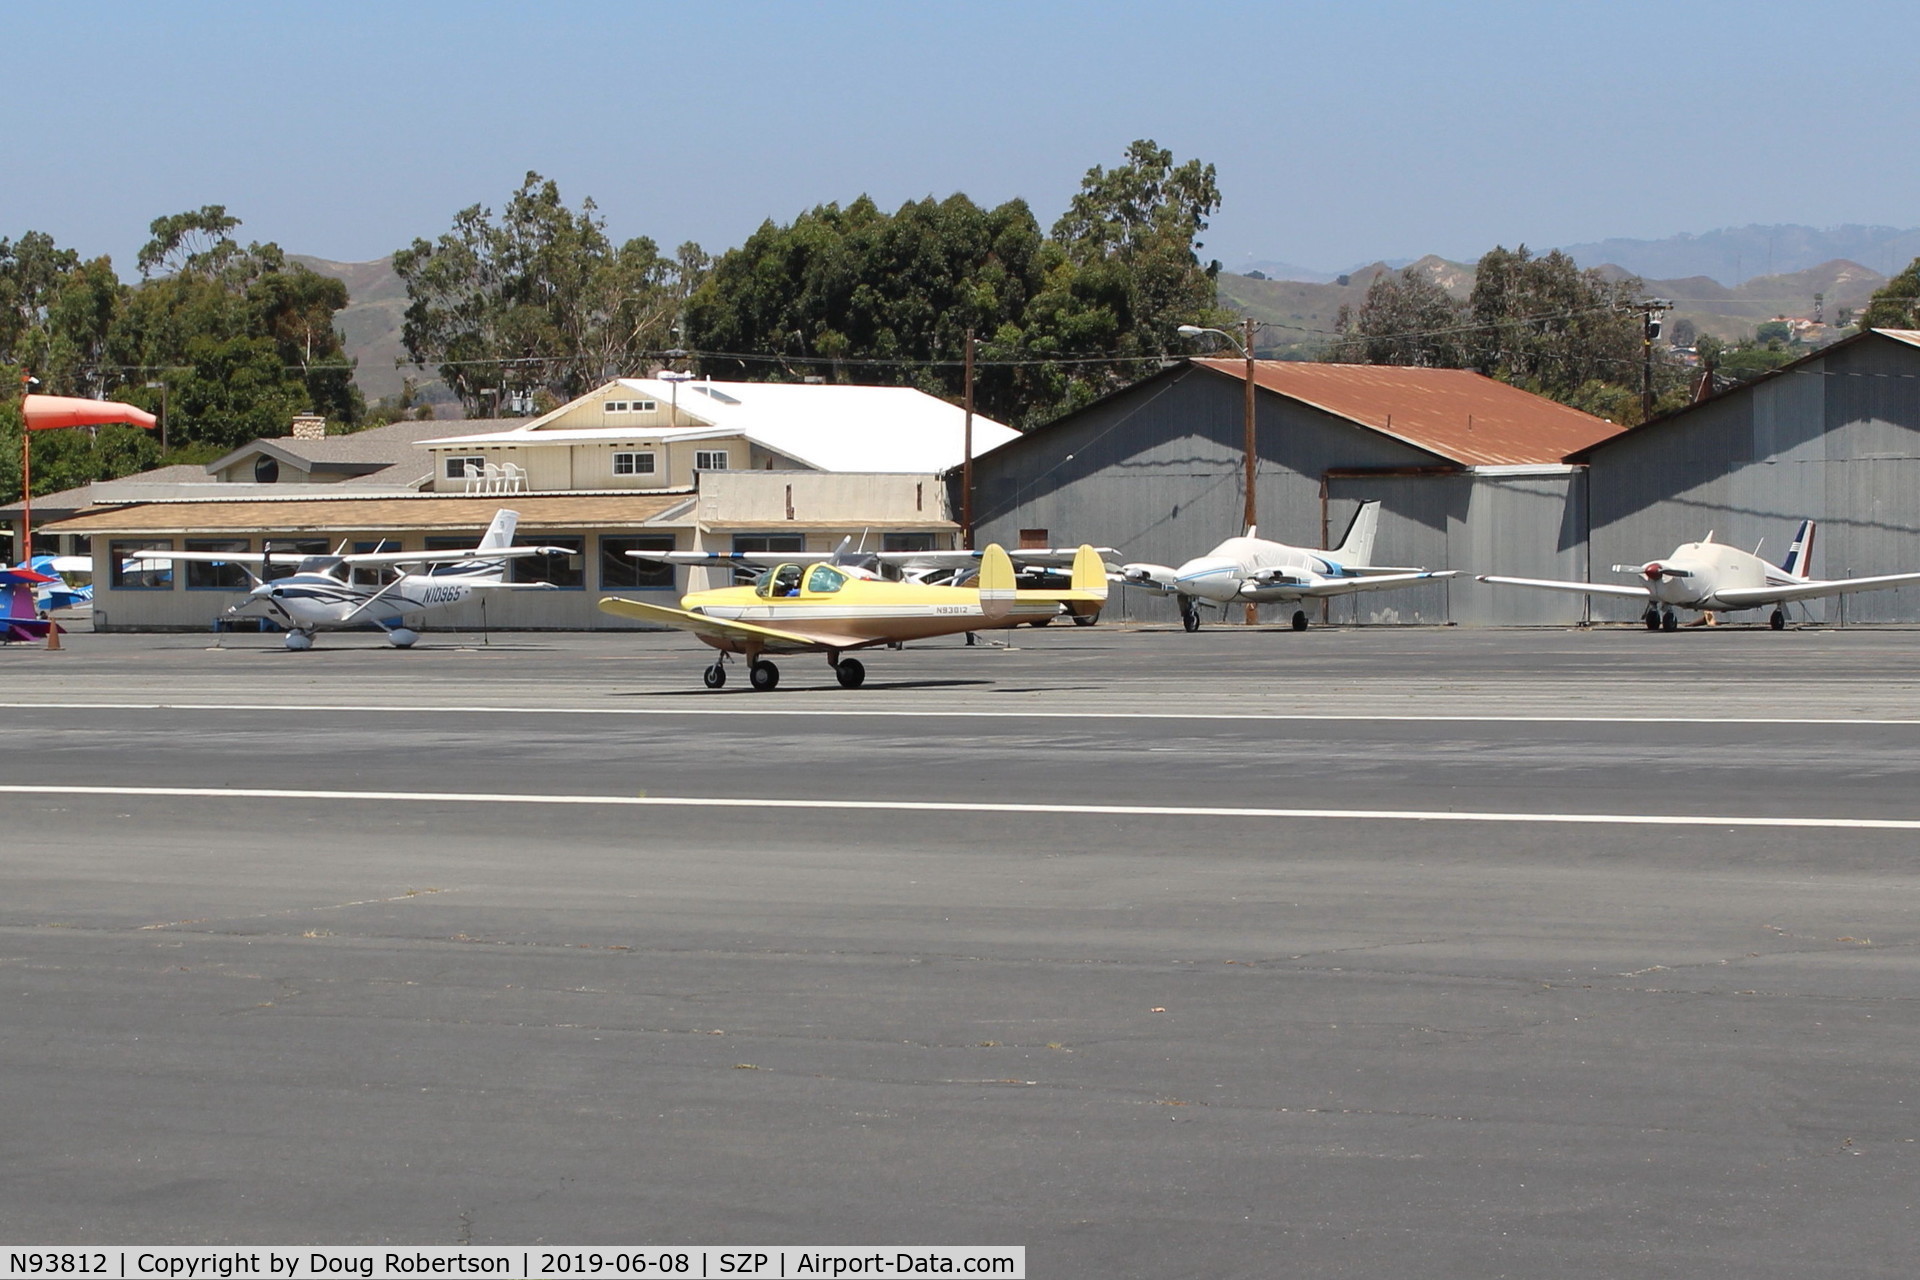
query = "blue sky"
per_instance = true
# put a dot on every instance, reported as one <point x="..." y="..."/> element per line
<point x="1342" y="132"/>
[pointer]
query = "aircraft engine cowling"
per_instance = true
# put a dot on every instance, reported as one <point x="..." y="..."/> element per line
<point x="1155" y="576"/>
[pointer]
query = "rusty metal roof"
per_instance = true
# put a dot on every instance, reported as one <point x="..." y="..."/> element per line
<point x="1456" y="414"/>
<point x="454" y="514"/>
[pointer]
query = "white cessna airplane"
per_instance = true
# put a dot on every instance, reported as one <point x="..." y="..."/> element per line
<point x="1709" y="576"/>
<point x="325" y="592"/>
<point x="1251" y="570"/>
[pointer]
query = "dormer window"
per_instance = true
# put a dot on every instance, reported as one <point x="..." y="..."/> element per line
<point x="631" y="406"/>
<point x="266" y="469"/>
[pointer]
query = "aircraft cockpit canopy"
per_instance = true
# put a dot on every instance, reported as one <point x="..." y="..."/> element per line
<point x="824" y="578"/>
<point x="781" y="581"/>
<point x="332" y="566"/>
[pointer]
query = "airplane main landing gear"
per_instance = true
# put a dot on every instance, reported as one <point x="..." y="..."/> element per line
<point x="402" y="637"/>
<point x="1189" y="614"/>
<point x="1299" y="619"/>
<point x="1668" y="622"/>
<point x="764" y="675"/>
<point x="299" y="641"/>
<point x="850" y="672"/>
<point x="1086" y="619"/>
<point x="1779" y="620"/>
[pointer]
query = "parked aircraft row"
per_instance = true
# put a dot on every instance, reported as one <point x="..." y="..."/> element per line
<point x="847" y="601"/>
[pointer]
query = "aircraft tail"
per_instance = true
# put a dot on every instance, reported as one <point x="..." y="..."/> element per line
<point x="998" y="588"/>
<point x="1089" y="573"/>
<point x="500" y="532"/>
<point x="1799" y="561"/>
<point x="19" y="619"/>
<point x="1356" y="549"/>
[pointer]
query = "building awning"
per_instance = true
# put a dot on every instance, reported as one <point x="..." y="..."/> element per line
<point x="427" y="514"/>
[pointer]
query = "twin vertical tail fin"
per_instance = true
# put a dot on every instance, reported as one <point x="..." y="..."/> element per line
<point x="1356" y="549"/>
<point x="998" y="587"/>
<point x="1799" y="561"/>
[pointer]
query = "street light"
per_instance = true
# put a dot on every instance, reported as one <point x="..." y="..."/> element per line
<point x="1245" y="348"/>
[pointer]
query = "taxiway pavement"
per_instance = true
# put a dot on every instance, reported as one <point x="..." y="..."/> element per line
<point x="1368" y="952"/>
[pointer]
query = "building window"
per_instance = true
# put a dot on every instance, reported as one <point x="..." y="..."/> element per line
<point x="782" y="544"/>
<point x="631" y="406"/>
<point x="217" y="576"/>
<point x="616" y="406"/>
<point x="569" y="570"/>
<point x="461" y="468"/>
<point x="633" y="464"/>
<point x="710" y="460"/>
<point x="621" y="572"/>
<point x="266" y="470"/>
<point x="906" y="542"/>
<point x="141" y="575"/>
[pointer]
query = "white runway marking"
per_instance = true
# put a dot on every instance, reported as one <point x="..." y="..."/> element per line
<point x="1002" y="713"/>
<point x="962" y="806"/>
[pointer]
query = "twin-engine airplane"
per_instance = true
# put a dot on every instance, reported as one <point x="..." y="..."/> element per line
<point x="1252" y="570"/>
<point x="1708" y="576"/>
<point x="830" y="609"/>
<point x="326" y="592"/>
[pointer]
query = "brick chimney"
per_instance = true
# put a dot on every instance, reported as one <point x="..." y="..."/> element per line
<point x="309" y="426"/>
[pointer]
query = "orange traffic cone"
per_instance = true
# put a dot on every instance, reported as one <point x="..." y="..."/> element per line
<point x="53" y="636"/>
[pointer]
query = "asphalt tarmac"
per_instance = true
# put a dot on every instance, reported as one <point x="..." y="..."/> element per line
<point x="1377" y="952"/>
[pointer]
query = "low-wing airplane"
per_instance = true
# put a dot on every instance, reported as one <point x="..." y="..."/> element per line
<point x="943" y="568"/>
<point x="1709" y="576"/>
<point x="19" y="613"/>
<point x="826" y="608"/>
<point x="377" y="587"/>
<point x="1252" y="570"/>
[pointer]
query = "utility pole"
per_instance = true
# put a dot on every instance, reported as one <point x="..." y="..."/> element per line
<point x="1252" y="451"/>
<point x="1650" y="309"/>
<point x="966" y="467"/>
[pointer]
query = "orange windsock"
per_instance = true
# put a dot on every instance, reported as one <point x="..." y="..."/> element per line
<point x="43" y="413"/>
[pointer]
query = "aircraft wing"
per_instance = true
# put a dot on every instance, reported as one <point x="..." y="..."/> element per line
<point x="204" y="557"/>
<point x="1325" y="587"/>
<point x="1577" y="588"/>
<point x="723" y="629"/>
<point x="1747" y="597"/>
<point x="435" y="557"/>
<point x="1050" y="557"/>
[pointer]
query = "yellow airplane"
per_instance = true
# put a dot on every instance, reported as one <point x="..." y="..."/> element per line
<point x="824" y="608"/>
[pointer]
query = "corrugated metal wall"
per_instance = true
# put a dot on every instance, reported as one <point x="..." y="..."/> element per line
<point x="1837" y="440"/>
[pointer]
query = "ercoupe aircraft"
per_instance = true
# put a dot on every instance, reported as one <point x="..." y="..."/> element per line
<point x="826" y="608"/>
<point x="943" y="568"/>
<point x="377" y="587"/>
<point x="1709" y="576"/>
<point x="1251" y="570"/>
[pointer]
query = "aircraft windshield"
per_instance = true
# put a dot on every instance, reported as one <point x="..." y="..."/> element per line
<point x="825" y="578"/>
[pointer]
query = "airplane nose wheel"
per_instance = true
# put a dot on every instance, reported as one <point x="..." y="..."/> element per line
<point x="1299" y="619"/>
<point x="850" y="673"/>
<point x="1779" y="620"/>
<point x="1651" y="618"/>
<point x="1189" y="614"/>
<point x="764" y="675"/>
<point x="714" y="676"/>
<point x="1668" y="622"/>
